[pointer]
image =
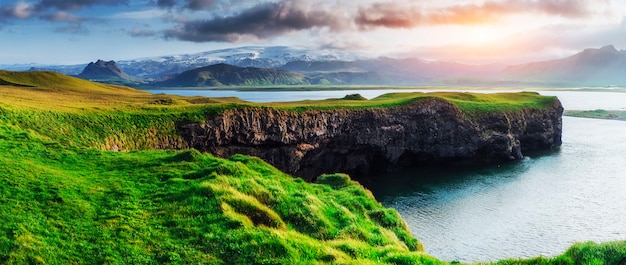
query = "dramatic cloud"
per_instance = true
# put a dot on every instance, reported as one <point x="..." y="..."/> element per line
<point x="77" y="4"/>
<point x="259" y="22"/>
<point x="404" y="15"/>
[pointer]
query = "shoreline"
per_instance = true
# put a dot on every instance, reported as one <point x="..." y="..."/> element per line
<point x="615" y="115"/>
<point x="373" y="87"/>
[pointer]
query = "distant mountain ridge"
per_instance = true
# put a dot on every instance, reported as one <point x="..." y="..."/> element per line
<point x="249" y="56"/>
<point x="403" y="71"/>
<point x="314" y="73"/>
<point x="229" y="75"/>
<point x="605" y="66"/>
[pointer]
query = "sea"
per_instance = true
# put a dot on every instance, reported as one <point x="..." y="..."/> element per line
<point x="538" y="206"/>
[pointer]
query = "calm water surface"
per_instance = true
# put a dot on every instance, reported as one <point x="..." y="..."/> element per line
<point x="538" y="206"/>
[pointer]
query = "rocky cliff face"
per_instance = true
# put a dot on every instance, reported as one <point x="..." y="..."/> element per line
<point x="362" y="142"/>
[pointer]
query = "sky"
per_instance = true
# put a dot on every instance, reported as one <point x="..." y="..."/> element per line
<point x="467" y="31"/>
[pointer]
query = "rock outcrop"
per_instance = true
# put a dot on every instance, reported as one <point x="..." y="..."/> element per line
<point x="102" y="70"/>
<point x="362" y="142"/>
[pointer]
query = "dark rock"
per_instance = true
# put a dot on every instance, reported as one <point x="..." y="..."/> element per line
<point x="102" y="70"/>
<point x="362" y="142"/>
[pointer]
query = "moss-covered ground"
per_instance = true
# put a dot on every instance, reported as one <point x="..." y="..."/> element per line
<point x="65" y="199"/>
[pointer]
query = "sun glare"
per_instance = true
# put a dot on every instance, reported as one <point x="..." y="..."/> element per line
<point x="481" y="35"/>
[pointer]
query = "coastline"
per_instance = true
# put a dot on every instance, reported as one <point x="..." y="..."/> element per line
<point x="378" y="87"/>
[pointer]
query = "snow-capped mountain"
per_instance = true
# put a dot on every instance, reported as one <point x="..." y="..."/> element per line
<point x="250" y="56"/>
<point x="162" y="66"/>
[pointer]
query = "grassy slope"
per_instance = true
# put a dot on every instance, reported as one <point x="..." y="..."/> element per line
<point x="63" y="201"/>
<point x="80" y="113"/>
<point x="75" y="205"/>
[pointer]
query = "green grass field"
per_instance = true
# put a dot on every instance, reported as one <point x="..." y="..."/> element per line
<point x="598" y="114"/>
<point x="66" y="199"/>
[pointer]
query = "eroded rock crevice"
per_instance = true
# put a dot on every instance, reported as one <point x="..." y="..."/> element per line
<point x="362" y="142"/>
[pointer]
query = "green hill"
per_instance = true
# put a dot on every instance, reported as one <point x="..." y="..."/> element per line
<point x="84" y="206"/>
<point x="66" y="199"/>
<point x="59" y="82"/>
<point x="228" y="75"/>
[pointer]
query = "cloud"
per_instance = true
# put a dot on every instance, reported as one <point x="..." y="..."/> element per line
<point x="262" y="21"/>
<point x="61" y="16"/>
<point x="166" y="3"/>
<point x="140" y="15"/>
<point x="51" y="10"/>
<point x="197" y="5"/>
<point x="19" y="10"/>
<point x="546" y="43"/>
<point x="405" y="15"/>
<point x="66" y="5"/>
<point x="138" y="32"/>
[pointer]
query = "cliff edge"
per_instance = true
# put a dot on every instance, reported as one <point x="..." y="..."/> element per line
<point x="367" y="141"/>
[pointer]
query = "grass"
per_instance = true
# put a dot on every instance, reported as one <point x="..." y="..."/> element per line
<point x="65" y="205"/>
<point x="65" y="199"/>
<point x="588" y="253"/>
<point x="469" y="103"/>
<point x="598" y="114"/>
<point x="76" y="112"/>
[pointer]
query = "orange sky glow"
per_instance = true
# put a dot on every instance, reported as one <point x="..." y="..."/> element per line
<point x="468" y="31"/>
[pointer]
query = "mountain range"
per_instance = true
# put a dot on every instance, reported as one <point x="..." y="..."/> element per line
<point x="281" y="65"/>
<point x="229" y="75"/>
<point x="605" y="66"/>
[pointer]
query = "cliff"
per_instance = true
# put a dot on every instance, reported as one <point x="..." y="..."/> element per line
<point x="366" y="141"/>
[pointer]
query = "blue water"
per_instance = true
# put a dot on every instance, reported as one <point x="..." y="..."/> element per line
<point x="537" y="206"/>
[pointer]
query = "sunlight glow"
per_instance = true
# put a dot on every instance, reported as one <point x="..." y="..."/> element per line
<point x="482" y="35"/>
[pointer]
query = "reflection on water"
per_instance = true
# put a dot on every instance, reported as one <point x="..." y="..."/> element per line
<point x="440" y="186"/>
<point x="538" y="206"/>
